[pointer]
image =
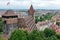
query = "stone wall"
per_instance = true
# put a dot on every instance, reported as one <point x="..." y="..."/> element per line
<point x="8" y="28"/>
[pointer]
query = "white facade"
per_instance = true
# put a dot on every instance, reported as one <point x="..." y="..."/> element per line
<point x="42" y="27"/>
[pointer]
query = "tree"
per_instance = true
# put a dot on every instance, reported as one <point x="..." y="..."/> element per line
<point x="27" y="34"/>
<point x="18" y="35"/>
<point x="58" y="36"/>
<point x="58" y="23"/>
<point x="42" y="35"/>
<point x="42" y="19"/>
<point x="35" y="35"/>
<point x="48" y="16"/>
<point x="0" y="27"/>
<point x="53" y="37"/>
<point x="0" y="24"/>
<point x="49" y="32"/>
<point x="36" y="19"/>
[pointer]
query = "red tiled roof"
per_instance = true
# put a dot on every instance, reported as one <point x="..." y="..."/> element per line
<point x="42" y="23"/>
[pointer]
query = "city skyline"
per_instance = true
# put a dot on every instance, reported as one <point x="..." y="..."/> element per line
<point x="25" y="4"/>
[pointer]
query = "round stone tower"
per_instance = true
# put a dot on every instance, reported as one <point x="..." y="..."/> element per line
<point x="9" y="20"/>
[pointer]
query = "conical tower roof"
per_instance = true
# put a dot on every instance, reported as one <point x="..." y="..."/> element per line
<point x="9" y="13"/>
<point x="31" y="10"/>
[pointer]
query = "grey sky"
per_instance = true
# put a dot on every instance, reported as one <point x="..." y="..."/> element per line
<point x="25" y="4"/>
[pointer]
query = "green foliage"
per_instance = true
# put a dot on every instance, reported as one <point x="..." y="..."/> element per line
<point x="49" y="32"/>
<point x="35" y="35"/>
<point x="58" y="36"/>
<point x="43" y="18"/>
<point x="0" y="24"/>
<point x="53" y="37"/>
<point x="58" y="23"/>
<point x="18" y="35"/>
<point x="0" y="19"/>
<point x="48" y="16"/>
<point x="36" y="19"/>
<point x="0" y="27"/>
<point x="27" y="34"/>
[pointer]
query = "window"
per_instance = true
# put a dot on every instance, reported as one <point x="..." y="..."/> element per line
<point x="4" y="22"/>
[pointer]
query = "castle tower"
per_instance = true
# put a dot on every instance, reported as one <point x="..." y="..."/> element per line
<point x="31" y="11"/>
<point x="9" y="20"/>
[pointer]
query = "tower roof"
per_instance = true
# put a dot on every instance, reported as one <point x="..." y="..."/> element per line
<point x="31" y="10"/>
<point x="9" y="13"/>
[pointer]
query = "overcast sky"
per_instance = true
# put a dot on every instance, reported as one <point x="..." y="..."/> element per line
<point x="25" y="4"/>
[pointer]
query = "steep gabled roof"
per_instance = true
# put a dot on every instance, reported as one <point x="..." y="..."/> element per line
<point x="31" y="10"/>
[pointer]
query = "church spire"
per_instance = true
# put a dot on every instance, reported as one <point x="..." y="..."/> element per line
<point x="31" y="10"/>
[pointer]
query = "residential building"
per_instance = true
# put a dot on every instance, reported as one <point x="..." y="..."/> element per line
<point x="42" y="25"/>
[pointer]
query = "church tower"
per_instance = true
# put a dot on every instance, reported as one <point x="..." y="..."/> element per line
<point x="9" y="20"/>
<point x="31" y="11"/>
<point x="32" y="19"/>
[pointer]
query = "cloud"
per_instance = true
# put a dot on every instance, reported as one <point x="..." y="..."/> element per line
<point x="26" y="4"/>
<point x="15" y="4"/>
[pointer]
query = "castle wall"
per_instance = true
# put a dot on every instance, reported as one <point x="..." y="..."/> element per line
<point x="10" y="20"/>
<point x="21" y="23"/>
<point x="8" y="28"/>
